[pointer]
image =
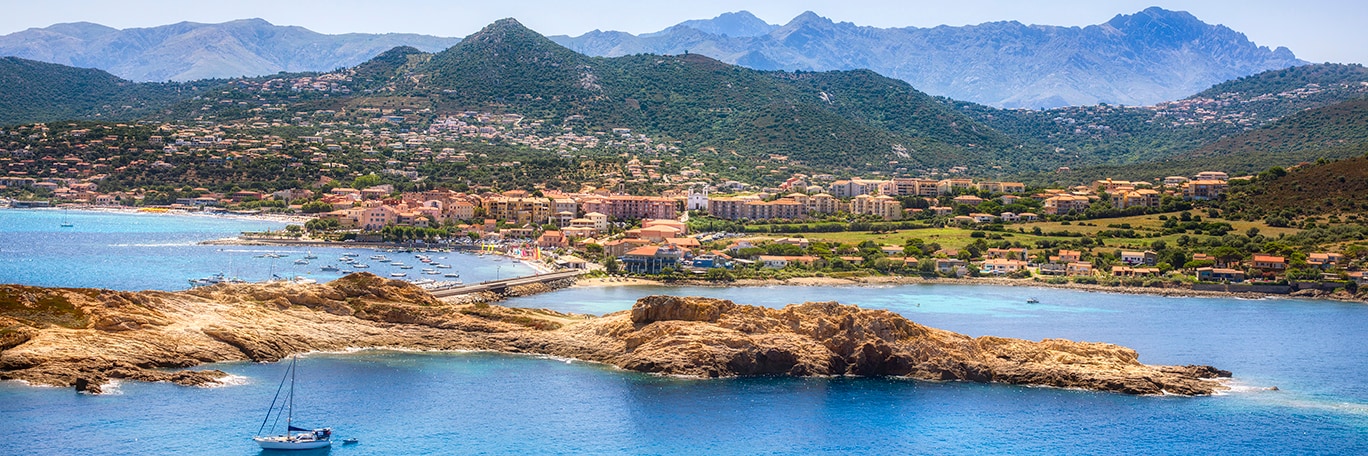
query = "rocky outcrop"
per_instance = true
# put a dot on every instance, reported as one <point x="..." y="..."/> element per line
<point x="713" y="338"/>
<point x="86" y="338"/>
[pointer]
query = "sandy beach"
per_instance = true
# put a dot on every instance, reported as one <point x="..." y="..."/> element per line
<point x="282" y="218"/>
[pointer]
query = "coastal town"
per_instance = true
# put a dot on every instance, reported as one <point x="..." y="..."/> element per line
<point x="868" y="227"/>
<point x="702" y="228"/>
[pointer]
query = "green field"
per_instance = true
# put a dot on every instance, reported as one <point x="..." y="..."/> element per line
<point x="957" y="238"/>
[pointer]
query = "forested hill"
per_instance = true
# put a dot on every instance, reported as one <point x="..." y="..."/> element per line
<point x="1326" y="187"/>
<point x="853" y="120"/>
<point x="1119" y="136"/>
<point x="1329" y="132"/>
<point x="32" y="91"/>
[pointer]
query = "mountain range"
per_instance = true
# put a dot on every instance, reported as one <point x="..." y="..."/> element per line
<point x="760" y="124"/>
<point x="1152" y="56"/>
<point x="1140" y="59"/>
<point x="188" y="51"/>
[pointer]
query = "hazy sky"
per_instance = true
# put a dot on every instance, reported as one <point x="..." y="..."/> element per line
<point x="1316" y="30"/>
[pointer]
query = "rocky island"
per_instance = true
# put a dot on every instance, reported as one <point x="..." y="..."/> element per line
<point x="83" y="338"/>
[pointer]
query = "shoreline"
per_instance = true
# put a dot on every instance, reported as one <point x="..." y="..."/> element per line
<point x="876" y="281"/>
<point x="692" y="337"/>
<point x="278" y="218"/>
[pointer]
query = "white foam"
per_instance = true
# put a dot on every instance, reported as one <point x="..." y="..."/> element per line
<point x="112" y="388"/>
<point x="228" y="380"/>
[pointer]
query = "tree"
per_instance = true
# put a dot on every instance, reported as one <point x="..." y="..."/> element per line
<point x="1226" y="254"/>
<point x="316" y="206"/>
<point x="369" y="180"/>
<point x="610" y="264"/>
<point x="719" y="274"/>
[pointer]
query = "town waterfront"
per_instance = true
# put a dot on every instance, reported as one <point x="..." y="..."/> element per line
<point x="431" y="403"/>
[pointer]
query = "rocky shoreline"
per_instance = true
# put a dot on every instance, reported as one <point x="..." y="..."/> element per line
<point x="84" y="338"/>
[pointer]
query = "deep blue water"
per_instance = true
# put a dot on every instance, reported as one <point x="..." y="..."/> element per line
<point x="458" y="403"/>
<point x="138" y="251"/>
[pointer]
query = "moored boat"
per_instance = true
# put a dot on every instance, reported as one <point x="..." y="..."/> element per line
<point x="294" y="438"/>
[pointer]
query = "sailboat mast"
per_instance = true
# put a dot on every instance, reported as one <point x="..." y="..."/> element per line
<point x="289" y="419"/>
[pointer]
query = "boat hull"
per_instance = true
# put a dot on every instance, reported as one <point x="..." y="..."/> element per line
<point x="280" y="444"/>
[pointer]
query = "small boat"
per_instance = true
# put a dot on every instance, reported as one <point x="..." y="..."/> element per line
<point x="451" y="275"/>
<point x="397" y="264"/>
<point x="350" y="441"/>
<point x="294" y="438"/>
<point x="398" y="274"/>
<point x="442" y="266"/>
<point x="406" y="267"/>
<point x="1033" y="301"/>
<point x="67" y="224"/>
<point x="350" y="255"/>
<point x="329" y="268"/>
<point x="212" y="280"/>
<point x="301" y="261"/>
<point x="310" y="256"/>
<point x="429" y="271"/>
<point x="348" y="271"/>
<point x="380" y="258"/>
<point x="360" y="265"/>
<point x="303" y="280"/>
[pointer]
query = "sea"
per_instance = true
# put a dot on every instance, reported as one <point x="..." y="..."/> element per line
<point x="396" y="402"/>
<point x="150" y="251"/>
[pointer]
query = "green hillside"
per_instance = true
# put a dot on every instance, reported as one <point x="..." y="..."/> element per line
<point x="852" y="120"/>
<point x="1286" y="196"/>
<point x="1109" y="135"/>
<point x="1332" y="132"/>
<point x="32" y="91"/>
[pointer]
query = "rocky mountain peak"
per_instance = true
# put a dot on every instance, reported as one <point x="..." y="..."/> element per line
<point x="739" y="24"/>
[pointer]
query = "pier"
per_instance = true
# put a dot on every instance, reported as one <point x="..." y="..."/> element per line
<point x="502" y="285"/>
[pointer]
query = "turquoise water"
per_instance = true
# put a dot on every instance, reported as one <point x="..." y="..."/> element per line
<point x="138" y="251"/>
<point x="459" y="403"/>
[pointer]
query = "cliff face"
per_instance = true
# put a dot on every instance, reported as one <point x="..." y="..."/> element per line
<point x="83" y="338"/>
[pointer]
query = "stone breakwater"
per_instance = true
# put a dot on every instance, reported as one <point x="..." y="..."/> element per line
<point x="84" y="338"/>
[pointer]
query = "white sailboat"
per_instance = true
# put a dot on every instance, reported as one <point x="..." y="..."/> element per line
<point x="294" y="438"/>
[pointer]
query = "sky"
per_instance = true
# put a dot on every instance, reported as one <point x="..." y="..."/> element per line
<point x="1316" y="30"/>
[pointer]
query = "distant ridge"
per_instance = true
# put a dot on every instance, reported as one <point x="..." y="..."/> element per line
<point x="188" y="51"/>
<point x="1144" y="58"/>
